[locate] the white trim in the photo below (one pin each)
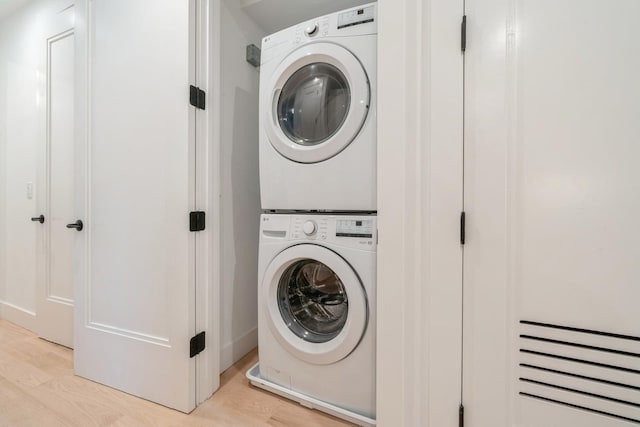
(235, 350)
(207, 299)
(209, 371)
(420, 125)
(18, 315)
(109, 329)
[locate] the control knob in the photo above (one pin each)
(311, 30)
(309, 228)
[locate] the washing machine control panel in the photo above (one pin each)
(309, 227)
(303, 227)
(362, 228)
(351, 231)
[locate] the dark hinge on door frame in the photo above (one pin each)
(197, 97)
(461, 416)
(197, 221)
(197, 344)
(463, 33)
(462, 227)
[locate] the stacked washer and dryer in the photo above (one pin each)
(318, 235)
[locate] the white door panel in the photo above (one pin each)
(136, 295)
(55, 289)
(552, 326)
(61, 169)
(575, 162)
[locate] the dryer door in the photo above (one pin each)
(318, 102)
(315, 303)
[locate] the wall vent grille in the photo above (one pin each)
(583, 369)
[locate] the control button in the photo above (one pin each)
(311, 30)
(309, 228)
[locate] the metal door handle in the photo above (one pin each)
(77, 225)
(40, 219)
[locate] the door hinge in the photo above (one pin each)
(462, 227)
(196, 344)
(461, 416)
(197, 221)
(197, 97)
(463, 34)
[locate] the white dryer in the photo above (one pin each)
(318, 115)
(317, 288)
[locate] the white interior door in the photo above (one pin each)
(57, 204)
(552, 194)
(135, 310)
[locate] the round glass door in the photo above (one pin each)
(314, 303)
(313, 104)
(316, 102)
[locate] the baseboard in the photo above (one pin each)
(233, 351)
(18, 315)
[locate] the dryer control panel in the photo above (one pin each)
(356, 21)
(356, 17)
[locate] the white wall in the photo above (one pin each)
(275, 15)
(240, 196)
(22, 121)
(8, 7)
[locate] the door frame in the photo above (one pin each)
(420, 167)
(204, 18)
(208, 245)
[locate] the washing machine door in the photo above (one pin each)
(314, 303)
(318, 102)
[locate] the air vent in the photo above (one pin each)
(581, 369)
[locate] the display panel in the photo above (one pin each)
(354, 228)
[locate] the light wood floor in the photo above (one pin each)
(38, 388)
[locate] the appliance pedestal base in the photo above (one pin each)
(254, 377)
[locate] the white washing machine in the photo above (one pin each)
(318, 114)
(317, 288)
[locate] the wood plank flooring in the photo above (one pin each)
(38, 389)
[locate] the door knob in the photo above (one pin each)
(77, 225)
(40, 219)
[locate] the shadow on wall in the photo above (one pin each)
(3, 178)
(246, 213)
(22, 132)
